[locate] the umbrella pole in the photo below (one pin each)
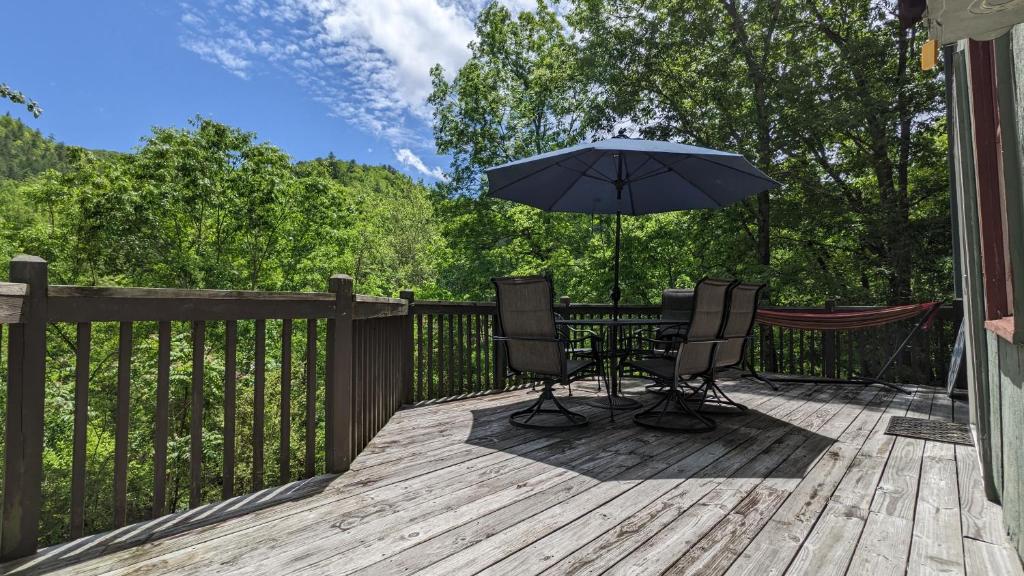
(619, 185)
(616, 291)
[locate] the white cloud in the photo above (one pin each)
(407, 157)
(366, 61)
(395, 42)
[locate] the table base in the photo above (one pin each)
(618, 403)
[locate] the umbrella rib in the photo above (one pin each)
(629, 184)
(520, 179)
(557, 163)
(744, 172)
(680, 174)
(645, 163)
(584, 174)
(573, 183)
(652, 175)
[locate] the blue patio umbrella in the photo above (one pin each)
(628, 176)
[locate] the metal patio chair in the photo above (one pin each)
(694, 359)
(676, 305)
(738, 331)
(734, 336)
(534, 346)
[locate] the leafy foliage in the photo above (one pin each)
(6, 92)
(821, 97)
(25, 152)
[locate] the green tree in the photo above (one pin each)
(18, 98)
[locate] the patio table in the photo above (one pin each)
(610, 328)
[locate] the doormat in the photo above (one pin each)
(938, 431)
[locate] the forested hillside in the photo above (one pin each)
(210, 206)
(25, 152)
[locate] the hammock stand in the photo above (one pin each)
(826, 321)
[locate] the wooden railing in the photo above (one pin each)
(453, 355)
(350, 382)
(224, 379)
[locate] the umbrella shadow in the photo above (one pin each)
(751, 444)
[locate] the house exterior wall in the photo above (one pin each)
(994, 358)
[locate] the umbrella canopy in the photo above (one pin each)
(627, 176)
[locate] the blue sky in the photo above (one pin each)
(311, 76)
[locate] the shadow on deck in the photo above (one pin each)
(805, 481)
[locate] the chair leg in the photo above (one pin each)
(673, 403)
(759, 377)
(711, 394)
(600, 375)
(574, 419)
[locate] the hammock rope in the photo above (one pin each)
(825, 320)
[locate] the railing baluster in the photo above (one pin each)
(163, 396)
(284, 457)
(420, 391)
(461, 356)
(430, 387)
(83, 345)
(359, 385)
(479, 353)
(259, 386)
(849, 354)
(310, 397)
(488, 352)
(408, 357)
(451, 355)
(230, 384)
(124, 372)
(195, 494)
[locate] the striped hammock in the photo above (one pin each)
(848, 319)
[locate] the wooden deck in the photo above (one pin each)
(805, 482)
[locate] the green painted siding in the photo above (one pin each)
(995, 366)
(977, 353)
(1007, 382)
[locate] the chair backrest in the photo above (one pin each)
(677, 304)
(694, 358)
(709, 303)
(525, 310)
(739, 323)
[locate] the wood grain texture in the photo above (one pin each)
(197, 398)
(83, 347)
(259, 404)
(12, 302)
(109, 304)
(285, 414)
(23, 433)
(122, 413)
(453, 489)
(161, 422)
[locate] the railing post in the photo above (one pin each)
(23, 452)
(500, 358)
(338, 395)
(407, 348)
(828, 344)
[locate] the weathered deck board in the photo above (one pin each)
(937, 546)
(806, 482)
